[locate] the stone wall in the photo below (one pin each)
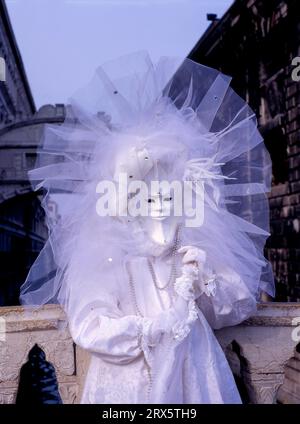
(262, 352)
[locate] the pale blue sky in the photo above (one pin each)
(63, 41)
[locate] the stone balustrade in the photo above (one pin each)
(260, 349)
(263, 352)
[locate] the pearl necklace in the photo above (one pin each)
(132, 290)
(173, 272)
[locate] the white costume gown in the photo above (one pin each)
(174, 121)
(118, 370)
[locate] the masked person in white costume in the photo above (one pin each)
(144, 272)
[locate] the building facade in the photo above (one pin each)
(23, 230)
(22, 226)
(256, 42)
(16, 101)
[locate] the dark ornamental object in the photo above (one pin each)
(38, 383)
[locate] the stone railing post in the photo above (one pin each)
(261, 347)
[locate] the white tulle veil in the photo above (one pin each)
(187, 117)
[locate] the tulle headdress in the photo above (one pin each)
(180, 115)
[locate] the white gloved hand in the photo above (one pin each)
(164, 322)
(194, 265)
(193, 255)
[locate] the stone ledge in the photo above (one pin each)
(275, 314)
(261, 351)
(19, 319)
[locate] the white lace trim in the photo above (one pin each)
(209, 285)
(184, 285)
(144, 337)
(181, 329)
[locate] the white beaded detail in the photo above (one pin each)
(173, 271)
(181, 329)
(146, 322)
(143, 342)
(209, 285)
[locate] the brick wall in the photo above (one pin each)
(255, 42)
(284, 245)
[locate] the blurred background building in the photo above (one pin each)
(255, 42)
(16, 101)
(22, 227)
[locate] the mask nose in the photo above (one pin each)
(159, 205)
(156, 205)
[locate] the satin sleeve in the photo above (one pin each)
(117, 339)
(229, 303)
